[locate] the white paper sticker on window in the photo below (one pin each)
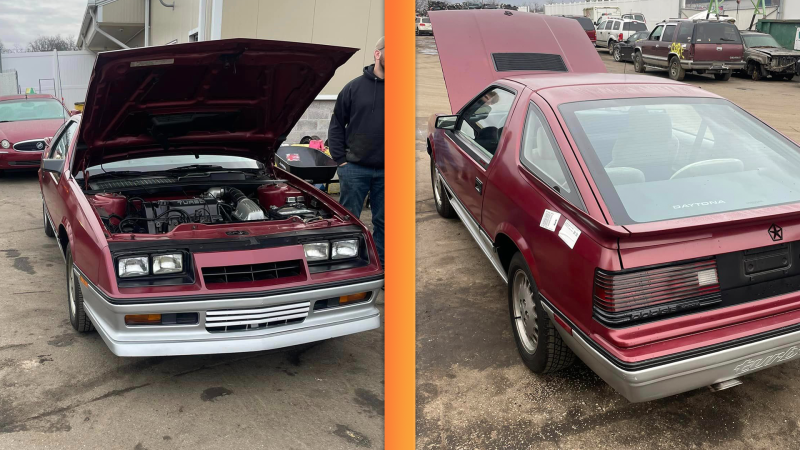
(549, 220)
(569, 233)
(706, 277)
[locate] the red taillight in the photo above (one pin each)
(645, 294)
(620, 37)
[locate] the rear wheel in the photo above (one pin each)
(676, 72)
(538, 342)
(48, 230)
(617, 56)
(443, 206)
(638, 63)
(610, 47)
(77, 314)
(722, 76)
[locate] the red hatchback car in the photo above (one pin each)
(646, 226)
(180, 234)
(26, 123)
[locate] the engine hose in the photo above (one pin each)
(233, 196)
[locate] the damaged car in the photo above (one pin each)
(764, 57)
(666, 264)
(179, 232)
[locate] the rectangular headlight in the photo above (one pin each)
(316, 251)
(169, 263)
(345, 249)
(136, 266)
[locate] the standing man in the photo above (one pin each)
(356, 143)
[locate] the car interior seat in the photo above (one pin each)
(648, 145)
(488, 138)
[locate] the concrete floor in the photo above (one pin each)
(60, 389)
(473, 392)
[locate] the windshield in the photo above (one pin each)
(639, 35)
(19, 110)
(634, 26)
(657, 159)
(586, 23)
(716, 33)
(760, 40)
(160, 163)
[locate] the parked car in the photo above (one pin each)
(634, 16)
(26, 122)
(666, 264)
(587, 25)
(764, 56)
(179, 233)
(623, 51)
(423, 26)
(614, 30)
(699, 46)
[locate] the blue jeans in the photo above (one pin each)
(355, 183)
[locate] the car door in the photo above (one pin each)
(471, 145)
(649, 46)
(599, 30)
(50, 181)
(665, 45)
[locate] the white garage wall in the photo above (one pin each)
(62, 74)
(654, 10)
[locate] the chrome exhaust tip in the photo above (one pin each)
(727, 384)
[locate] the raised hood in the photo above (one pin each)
(235, 96)
(477, 47)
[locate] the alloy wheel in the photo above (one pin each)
(616, 54)
(437, 187)
(525, 317)
(71, 287)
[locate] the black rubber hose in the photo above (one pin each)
(233, 196)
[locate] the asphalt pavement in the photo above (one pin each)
(473, 392)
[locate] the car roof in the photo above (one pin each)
(23, 97)
(751, 32)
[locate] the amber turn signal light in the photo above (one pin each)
(143, 319)
(353, 297)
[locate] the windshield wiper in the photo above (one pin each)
(115, 173)
(195, 167)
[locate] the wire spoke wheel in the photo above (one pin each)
(525, 317)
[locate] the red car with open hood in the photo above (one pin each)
(27, 122)
(180, 234)
(647, 226)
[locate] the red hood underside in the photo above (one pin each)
(236, 96)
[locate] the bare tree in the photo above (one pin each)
(421, 5)
(50, 43)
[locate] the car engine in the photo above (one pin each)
(217, 205)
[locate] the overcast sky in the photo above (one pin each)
(21, 21)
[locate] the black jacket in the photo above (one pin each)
(356, 131)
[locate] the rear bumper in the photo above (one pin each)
(168, 340)
(713, 66)
(682, 375)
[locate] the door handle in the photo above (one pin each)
(479, 185)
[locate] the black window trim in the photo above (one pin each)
(573, 197)
(650, 37)
(61, 133)
(477, 153)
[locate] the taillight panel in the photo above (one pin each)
(630, 296)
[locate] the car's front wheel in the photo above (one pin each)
(754, 69)
(77, 313)
(722, 76)
(443, 206)
(48, 230)
(788, 77)
(538, 342)
(638, 63)
(617, 56)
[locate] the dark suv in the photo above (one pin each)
(700, 46)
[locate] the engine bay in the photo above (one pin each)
(161, 213)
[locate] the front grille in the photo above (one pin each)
(29, 146)
(251, 273)
(132, 182)
(227, 320)
(507, 62)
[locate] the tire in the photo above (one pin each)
(788, 77)
(617, 56)
(443, 206)
(722, 76)
(638, 63)
(417, 31)
(610, 47)
(538, 342)
(755, 72)
(48, 230)
(75, 310)
(676, 72)
(778, 77)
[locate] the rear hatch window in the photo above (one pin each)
(586, 23)
(658, 159)
(634, 26)
(716, 33)
(426, 20)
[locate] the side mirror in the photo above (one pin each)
(73, 112)
(446, 122)
(53, 165)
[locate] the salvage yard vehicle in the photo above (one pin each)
(179, 233)
(423, 26)
(623, 51)
(617, 30)
(27, 122)
(587, 25)
(764, 56)
(666, 264)
(699, 46)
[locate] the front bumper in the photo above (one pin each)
(12, 159)
(670, 378)
(713, 66)
(170, 340)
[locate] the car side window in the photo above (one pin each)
(685, 32)
(541, 155)
(601, 25)
(483, 120)
(59, 147)
(617, 25)
(669, 32)
(656, 34)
